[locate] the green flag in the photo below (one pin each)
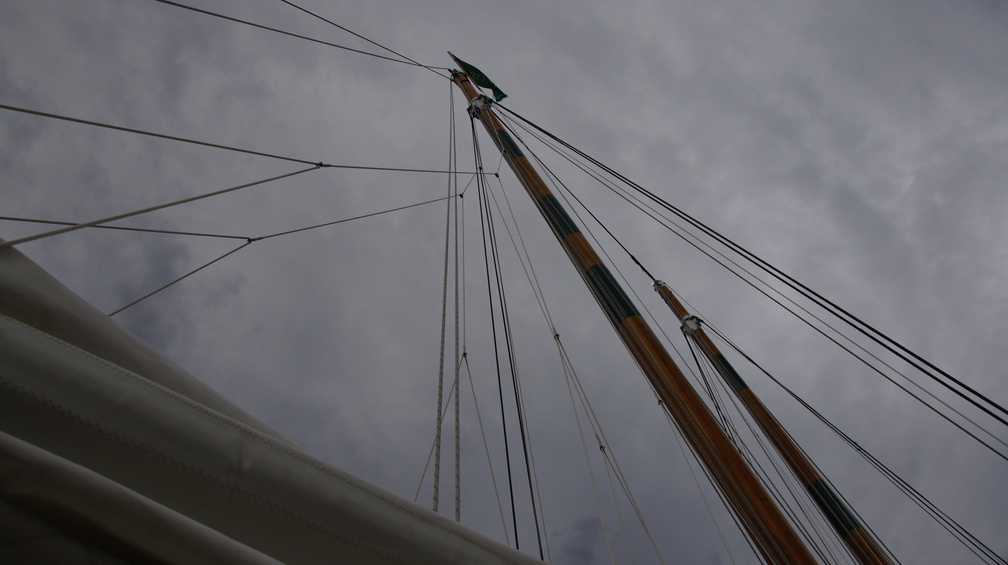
(480, 78)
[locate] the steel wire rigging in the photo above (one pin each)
(402, 59)
(495, 280)
(317, 163)
(961, 389)
(940, 376)
(972, 543)
(249, 241)
(733, 266)
(609, 461)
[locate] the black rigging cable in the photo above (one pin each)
(512, 363)
(508, 341)
(226, 236)
(861, 326)
(152, 134)
(326, 224)
(289, 34)
(372, 42)
(248, 241)
(124, 228)
(412, 62)
(948, 523)
(682, 234)
(722, 417)
(60, 231)
(185, 276)
(549, 171)
(493, 327)
(317, 163)
(971, 542)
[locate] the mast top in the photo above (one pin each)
(478, 77)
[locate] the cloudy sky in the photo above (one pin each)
(861, 147)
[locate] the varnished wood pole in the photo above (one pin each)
(771, 533)
(847, 526)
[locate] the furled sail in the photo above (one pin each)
(111, 453)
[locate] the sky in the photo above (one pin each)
(861, 147)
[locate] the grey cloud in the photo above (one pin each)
(859, 147)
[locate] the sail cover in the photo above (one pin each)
(111, 453)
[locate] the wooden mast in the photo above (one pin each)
(860, 542)
(771, 533)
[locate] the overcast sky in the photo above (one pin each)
(861, 147)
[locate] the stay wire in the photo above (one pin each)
(67, 229)
(697, 245)
(517, 380)
(185, 276)
(523, 255)
(853, 321)
(525, 432)
(519, 405)
(710, 394)
(708, 449)
(124, 228)
(508, 340)
(486, 447)
(319, 164)
(948, 523)
(868, 363)
(619, 513)
(602, 440)
(813, 525)
(375, 43)
(493, 327)
(334, 222)
(248, 240)
(289, 34)
(508, 122)
(152, 134)
(537, 290)
(584, 449)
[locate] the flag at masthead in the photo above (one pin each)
(479, 78)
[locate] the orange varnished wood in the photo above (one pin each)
(863, 546)
(772, 535)
(759, 515)
(581, 252)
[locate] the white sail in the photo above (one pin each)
(107, 448)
